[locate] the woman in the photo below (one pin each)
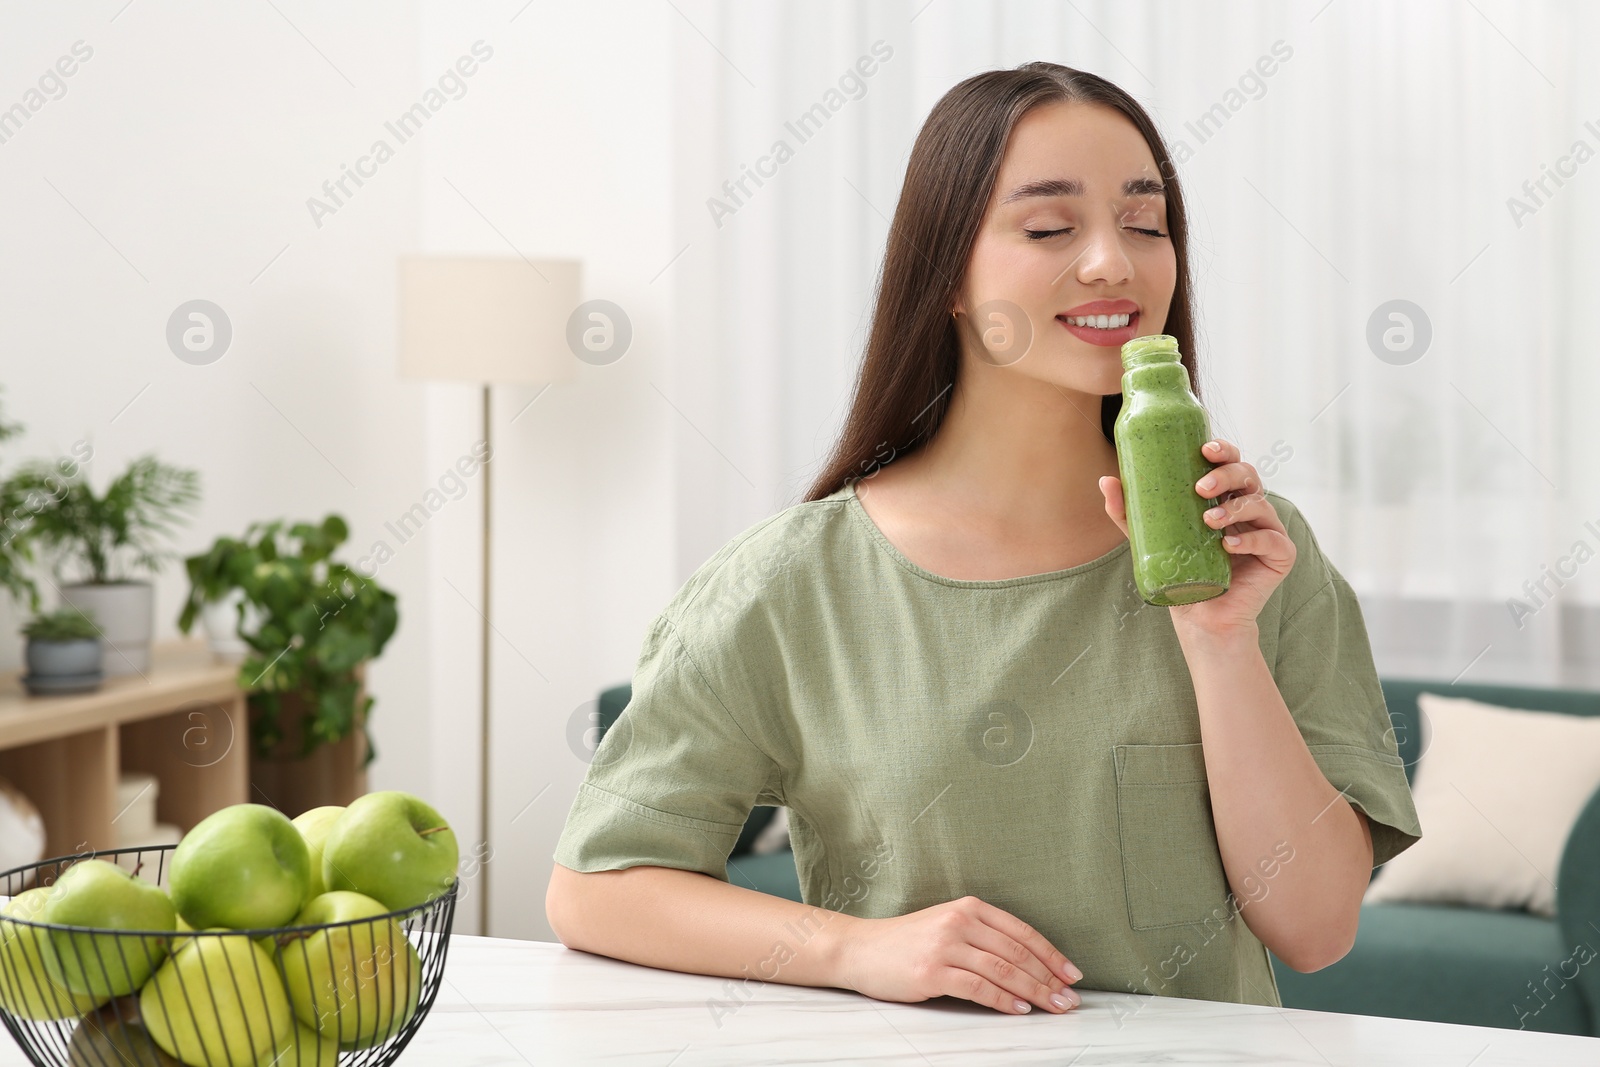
(1004, 773)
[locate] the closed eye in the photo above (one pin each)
(1040, 235)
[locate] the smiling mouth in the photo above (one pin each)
(1101, 322)
(1103, 331)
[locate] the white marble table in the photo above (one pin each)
(535, 1002)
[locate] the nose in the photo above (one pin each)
(1102, 256)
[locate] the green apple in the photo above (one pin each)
(99, 894)
(314, 826)
(243, 867)
(181, 926)
(304, 1048)
(357, 983)
(267, 942)
(392, 847)
(107, 1037)
(26, 988)
(218, 1000)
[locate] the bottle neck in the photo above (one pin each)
(1151, 349)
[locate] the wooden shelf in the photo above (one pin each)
(183, 720)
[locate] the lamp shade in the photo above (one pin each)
(488, 319)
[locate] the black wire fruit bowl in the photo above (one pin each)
(342, 993)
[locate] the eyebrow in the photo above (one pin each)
(1074, 187)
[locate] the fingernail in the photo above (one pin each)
(1207, 483)
(1024, 1006)
(1072, 972)
(1060, 1001)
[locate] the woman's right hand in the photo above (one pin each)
(963, 948)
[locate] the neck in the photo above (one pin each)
(1025, 452)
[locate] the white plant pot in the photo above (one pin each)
(220, 619)
(125, 613)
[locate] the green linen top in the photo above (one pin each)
(1032, 741)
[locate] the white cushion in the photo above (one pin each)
(774, 837)
(1497, 791)
(22, 837)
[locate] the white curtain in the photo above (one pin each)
(1384, 159)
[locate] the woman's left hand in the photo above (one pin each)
(1262, 552)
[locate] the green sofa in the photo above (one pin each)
(1452, 964)
(773, 872)
(1439, 963)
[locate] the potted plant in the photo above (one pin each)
(217, 580)
(108, 536)
(63, 652)
(314, 624)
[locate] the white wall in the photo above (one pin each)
(187, 145)
(177, 166)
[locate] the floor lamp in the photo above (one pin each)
(495, 321)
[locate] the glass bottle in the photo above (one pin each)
(1177, 557)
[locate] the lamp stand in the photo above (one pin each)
(483, 707)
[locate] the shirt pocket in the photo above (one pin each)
(1172, 871)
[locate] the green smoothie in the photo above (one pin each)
(1177, 557)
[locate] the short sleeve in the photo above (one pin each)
(675, 777)
(1325, 672)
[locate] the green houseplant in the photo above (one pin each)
(14, 552)
(109, 536)
(316, 623)
(63, 624)
(63, 652)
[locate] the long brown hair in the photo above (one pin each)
(913, 353)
